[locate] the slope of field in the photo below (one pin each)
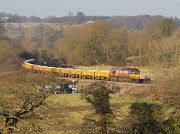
(69, 111)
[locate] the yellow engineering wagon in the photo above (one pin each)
(38, 68)
(58, 70)
(102, 75)
(41, 68)
(65, 71)
(48, 69)
(88, 74)
(27, 66)
(75, 73)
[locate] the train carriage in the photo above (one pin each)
(65, 72)
(76, 73)
(88, 74)
(58, 70)
(49, 69)
(102, 75)
(38, 68)
(28, 66)
(41, 68)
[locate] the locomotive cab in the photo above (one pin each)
(125, 74)
(134, 74)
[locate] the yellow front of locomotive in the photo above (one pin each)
(135, 74)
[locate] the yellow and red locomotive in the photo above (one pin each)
(125, 74)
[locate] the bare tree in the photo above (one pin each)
(2, 28)
(17, 104)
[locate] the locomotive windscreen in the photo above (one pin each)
(135, 71)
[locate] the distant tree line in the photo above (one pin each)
(132, 22)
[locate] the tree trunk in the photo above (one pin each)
(104, 125)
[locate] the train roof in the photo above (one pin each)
(127, 68)
(28, 61)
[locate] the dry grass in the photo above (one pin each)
(70, 110)
(65, 112)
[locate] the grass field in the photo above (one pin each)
(70, 111)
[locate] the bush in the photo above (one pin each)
(151, 119)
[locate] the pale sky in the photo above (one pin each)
(44, 8)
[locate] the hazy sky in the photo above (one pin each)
(44, 8)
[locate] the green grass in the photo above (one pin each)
(68, 100)
(121, 100)
(71, 109)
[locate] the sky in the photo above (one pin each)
(45, 8)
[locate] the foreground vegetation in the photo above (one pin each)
(81, 113)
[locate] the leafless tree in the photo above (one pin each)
(17, 104)
(2, 28)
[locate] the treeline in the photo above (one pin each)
(105, 43)
(131, 22)
(98, 43)
(79, 18)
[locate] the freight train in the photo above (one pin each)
(116, 74)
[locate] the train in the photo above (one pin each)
(115, 74)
